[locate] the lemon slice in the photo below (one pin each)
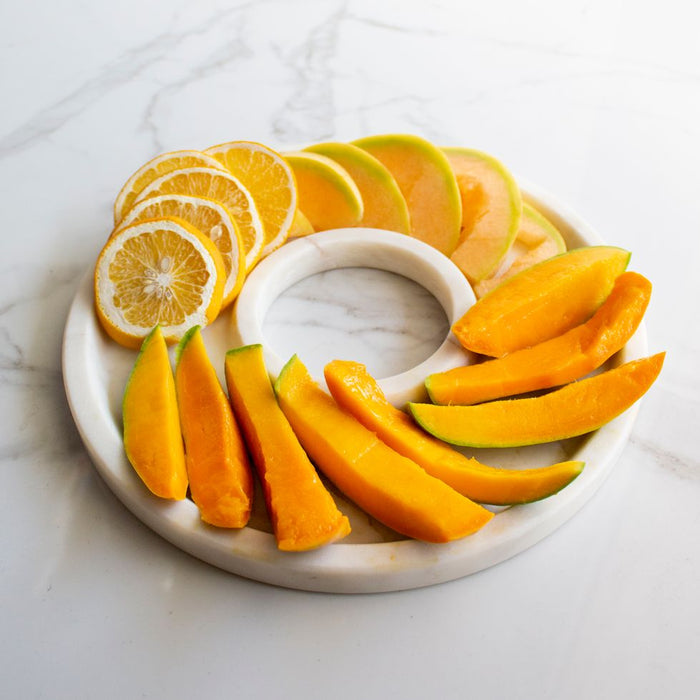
(153, 169)
(270, 181)
(157, 272)
(224, 188)
(208, 217)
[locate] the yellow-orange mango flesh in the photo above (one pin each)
(491, 207)
(541, 302)
(221, 480)
(537, 239)
(152, 437)
(301, 226)
(575, 409)
(302, 511)
(328, 196)
(390, 487)
(384, 205)
(427, 183)
(554, 362)
(358, 393)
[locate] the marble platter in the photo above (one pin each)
(372, 558)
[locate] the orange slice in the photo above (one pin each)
(157, 272)
(270, 181)
(222, 187)
(208, 217)
(154, 168)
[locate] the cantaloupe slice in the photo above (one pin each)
(328, 196)
(358, 393)
(576, 409)
(302, 511)
(554, 362)
(384, 205)
(152, 436)
(538, 239)
(427, 183)
(387, 485)
(221, 480)
(541, 302)
(491, 206)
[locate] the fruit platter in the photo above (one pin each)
(349, 482)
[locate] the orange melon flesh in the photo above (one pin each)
(541, 302)
(359, 394)
(388, 486)
(152, 437)
(384, 205)
(328, 196)
(302, 511)
(537, 240)
(554, 362)
(427, 183)
(221, 481)
(491, 207)
(573, 410)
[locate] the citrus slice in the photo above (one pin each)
(157, 272)
(222, 187)
(154, 168)
(270, 181)
(208, 217)
(301, 226)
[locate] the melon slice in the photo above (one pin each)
(385, 206)
(427, 183)
(491, 207)
(538, 239)
(328, 196)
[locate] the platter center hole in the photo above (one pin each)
(381, 319)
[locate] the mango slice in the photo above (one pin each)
(152, 437)
(573, 410)
(388, 486)
(541, 302)
(554, 362)
(358, 393)
(301, 226)
(384, 205)
(302, 511)
(427, 183)
(221, 480)
(491, 206)
(328, 196)
(537, 239)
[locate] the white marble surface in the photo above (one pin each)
(598, 102)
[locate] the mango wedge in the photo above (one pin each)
(302, 511)
(152, 437)
(388, 486)
(573, 410)
(359, 394)
(554, 362)
(541, 302)
(221, 480)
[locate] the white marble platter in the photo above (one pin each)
(372, 558)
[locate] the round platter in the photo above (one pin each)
(371, 559)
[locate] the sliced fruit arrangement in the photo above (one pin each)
(358, 393)
(302, 511)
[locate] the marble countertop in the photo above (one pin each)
(597, 102)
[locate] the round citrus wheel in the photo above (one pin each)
(270, 181)
(208, 217)
(157, 272)
(222, 187)
(153, 169)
